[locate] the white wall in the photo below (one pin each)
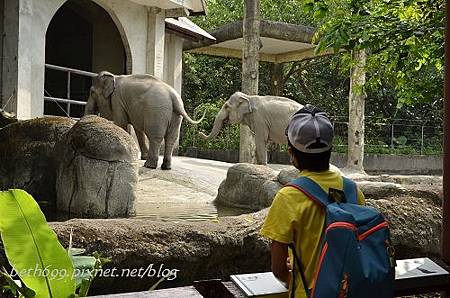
(24, 76)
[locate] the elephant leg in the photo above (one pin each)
(170, 140)
(143, 143)
(153, 152)
(121, 119)
(261, 148)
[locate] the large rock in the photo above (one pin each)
(206, 250)
(248, 186)
(27, 159)
(97, 172)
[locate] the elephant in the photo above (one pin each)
(154, 108)
(266, 116)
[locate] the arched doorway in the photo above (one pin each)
(81, 36)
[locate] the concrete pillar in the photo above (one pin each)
(2, 19)
(9, 55)
(155, 42)
(173, 66)
(24, 53)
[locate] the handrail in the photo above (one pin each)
(67, 100)
(72, 70)
(64, 100)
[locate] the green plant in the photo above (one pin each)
(43, 266)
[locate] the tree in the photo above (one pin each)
(403, 36)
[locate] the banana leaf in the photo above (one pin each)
(32, 248)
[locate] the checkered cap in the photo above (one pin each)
(310, 131)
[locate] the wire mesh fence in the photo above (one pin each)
(382, 136)
(393, 136)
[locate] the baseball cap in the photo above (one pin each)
(310, 131)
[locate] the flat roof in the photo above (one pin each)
(194, 6)
(187, 29)
(280, 42)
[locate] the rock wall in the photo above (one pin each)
(208, 250)
(27, 159)
(88, 165)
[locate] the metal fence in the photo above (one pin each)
(403, 136)
(384, 136)
(65, 104)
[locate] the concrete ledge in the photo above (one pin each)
(373, 163)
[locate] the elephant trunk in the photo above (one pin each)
(218, 123)
(91, 107)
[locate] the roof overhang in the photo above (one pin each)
(195, 7)
(280, 42)
(187, 29)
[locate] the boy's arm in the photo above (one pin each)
(279, 254)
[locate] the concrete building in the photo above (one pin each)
(43, 40)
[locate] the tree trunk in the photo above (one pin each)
(356, 103)
(250, 72)
(277, 79)
(445, 246)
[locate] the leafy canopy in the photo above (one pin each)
(404, 39)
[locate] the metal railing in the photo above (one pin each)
(410, 136)
(68, 101)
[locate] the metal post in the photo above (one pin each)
(68, 93)
(445, 243)
(421, 142)
(392, 136)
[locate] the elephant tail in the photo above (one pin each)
(179, 108)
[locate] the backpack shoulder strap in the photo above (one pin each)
(350, 190)
(311, 189)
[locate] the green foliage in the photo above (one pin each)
(404, 39)
(228, 137)
(43, 266)
(32, 247)
(222, 12)
(396, 86)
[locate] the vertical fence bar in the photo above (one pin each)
(392, 136)
(421, 142)
(68, 93)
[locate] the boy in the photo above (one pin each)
(293, 217)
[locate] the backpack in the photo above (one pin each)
(356, 258)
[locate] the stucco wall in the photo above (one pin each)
(28, 70)
(23, 75)
(131, 21)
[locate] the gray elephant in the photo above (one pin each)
(153, 107)
(267, 117)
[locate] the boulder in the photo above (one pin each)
(248, 186)
(27, 159)
(97, 173)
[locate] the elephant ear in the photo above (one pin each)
(109, 84)
(248, 106)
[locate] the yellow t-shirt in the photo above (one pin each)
(292, 213)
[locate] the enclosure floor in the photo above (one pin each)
(184, 193)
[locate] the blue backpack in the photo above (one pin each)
(357, 258)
